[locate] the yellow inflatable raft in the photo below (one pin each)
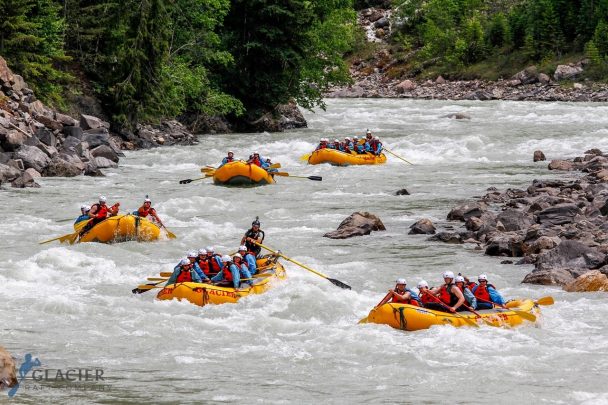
(337, 158)
(240, 173)
(410, 318)
(120, 228)
(269, 271)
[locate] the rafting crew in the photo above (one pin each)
(254, 234)
(98, 213)
(184, 273)
(248, 258)
(214, 261)
(322, 144)
(229, 276)
(146, 211)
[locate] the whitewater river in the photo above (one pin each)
(72, 307)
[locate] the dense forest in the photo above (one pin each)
(147, 60)
(456, 35)
(153, 59)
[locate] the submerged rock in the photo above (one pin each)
(422, 227)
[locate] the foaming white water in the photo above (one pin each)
(72, 306)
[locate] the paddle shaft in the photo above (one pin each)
(397, 156)
(285, 174)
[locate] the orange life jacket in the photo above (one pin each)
(142, 212)
(184, 277)
(447, 296)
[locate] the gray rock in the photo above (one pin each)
(49, 122)
(539, 156)
(465, 211)
(571, 254)
(97, 137)
(382, 23)
(357, 224)
(505, 244)
(549, 277)
(422, 227)
(17, 164)
(48, 150)
(106, 152)
(12, 140)
(559, 214)
(514, 220)
(92, 170)
(27, 179)
(565, 72)
(32, 157)
(402, 192)
(544, 79)
(46, 137)
(447, 237)
(103, 163)
(458, 116)
(527, 76)
(8, 173)
(75, 132)
(561, 165)
(91, 122)
(70, 142)
(66, 120)
(63, 168)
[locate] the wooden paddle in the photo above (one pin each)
(332, 280)
(285, 174)
(382, 302)
(397, 156)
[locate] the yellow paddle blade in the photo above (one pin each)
(170, 234)
(305, 157)
(148, 287)
(526, 315)
(545, 301)
(157, 279)
(363, 320)
(166, 273)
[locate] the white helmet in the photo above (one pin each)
(448, 274)
(347, 138)
(237, 255)
(192, 253)
(376, 138)
(459, 279)
(242, 247)
(184, 262)
(83, 206)
(210, 249)
(256, 153)
(401, 281)
(226, 259)
(423, 284)
(102, 199)
(368, 131)
(147, 200)
(229, 152)
(354, 137)
(336, 140)
(482, 277)
(202, 252)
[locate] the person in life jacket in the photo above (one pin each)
(229, 158)
(486, 294)
(266, 166)
(193, 257)
(449, 294)
(468, 295)
(376, 146)
(425, 294)
(249, 258)
(255, 159)
(470, 284)
(230, 276)
(254, 234)
(403, 295)
(84, 214)
(99, 212)
(237, 259)
(203, 264)
(214, 261)
(348, 144)
(146, 211)
(358, 146)
(322, 144)
(183, 273)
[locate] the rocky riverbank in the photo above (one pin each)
(559, 225)
(36, 141)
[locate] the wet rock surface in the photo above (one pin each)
(559, 226)
(357, 224)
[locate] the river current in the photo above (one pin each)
(72, 307)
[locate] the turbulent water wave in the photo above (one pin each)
(300, 342)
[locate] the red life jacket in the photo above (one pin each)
(482, 292)
(471, 285)
(184, 277)
(204, 265)
(256, 162)
(399, 300)
(229, 159)
(214, 266)
(447, 296)
(142, 212)
(227, 273)
(102, 211)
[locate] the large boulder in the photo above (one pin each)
(593, 280)
(514, 220)
(27, 179)
(32, 157)
(404, 86)
(357, 224)
(75, 132)
(422, 227)
(571, 254)
(8, 173)
(8, 370)
(91, 122)
(6, 76)
(565, 165)
(447, 237)
(60, 167)
(96, 137)
(559, 214)
(504, 244)
(539, 156)
(465, 211)
(527, 76)
(549, 277)
(12, 140)
(106, 152)
(104, 163)
(565, 72)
